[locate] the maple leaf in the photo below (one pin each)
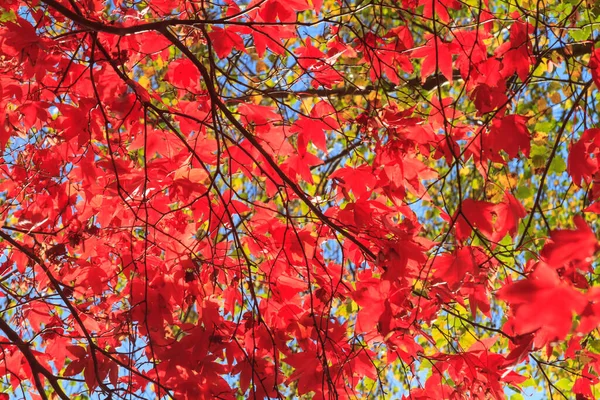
(582, 162)
(517, 61)
(33, 114)
(437, 56)
(312, 128)
(590, 315)
(360, 180)
(20, 36)
(583, 386)
(258, 115)
(475, 214)
(542, 303)
(508, 213)
(306, 373)
(457, 268)
(370, 296)
(224, 40)
(494, 221)
(300, 165)
(183, 73)
(439, 8)
(594, 66)
(284, 10)
(472, 55)
(270, 36)
(516, 53)
(509, 134)
(595, 208)
(309, 55)
(490, 91)
(442, 111)
(568, 245)
(6, 131)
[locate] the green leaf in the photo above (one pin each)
(558, 165)
(564, 384)
(8, 16)
(581, 34)
(524, 192)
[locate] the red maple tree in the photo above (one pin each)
(301, 198)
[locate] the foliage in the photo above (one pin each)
(299, 199)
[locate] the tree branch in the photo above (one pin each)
(36, 367)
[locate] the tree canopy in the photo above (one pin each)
(340, 199)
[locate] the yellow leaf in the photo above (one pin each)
(144, 82)
(149, 71)
(261, 66)
(542, 104)
(307, 104)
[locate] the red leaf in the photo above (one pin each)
(595, 208)
(437, 56)
(271, 37)
(569, 245)
(581, 165)
(542, 303)
(594, 66)
(475, 214)
(285, 10)
(183, 73)
(508, 213)
(194, 175)
(439, 7)
(258, 115)
(459, 267)
(509, 134)
(517, 57)
(300, 165)
(309, 55)
(18, 36)
(224, 40)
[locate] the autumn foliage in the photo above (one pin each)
(299, 199)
